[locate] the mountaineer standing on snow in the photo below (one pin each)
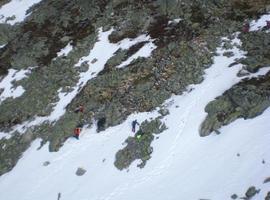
(134, 123)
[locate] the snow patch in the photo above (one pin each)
(16, 9)
(7, 87)
(177, 20)
(65, 51)
(143, 52)
(256, 25)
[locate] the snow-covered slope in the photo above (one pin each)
(183, 164)
(15, 11)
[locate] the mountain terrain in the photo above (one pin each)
(194, 74)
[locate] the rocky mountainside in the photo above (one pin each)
(119, 58)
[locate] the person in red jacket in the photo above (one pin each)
(77, 132)
(80, 108)
(246, 28)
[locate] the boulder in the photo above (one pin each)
(80, 171)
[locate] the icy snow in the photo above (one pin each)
(256, 25)
(7, 84)
(16, 8)
(65, 51)
(183, 165)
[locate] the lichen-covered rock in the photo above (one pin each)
(139, 147)
(246, 99)
(257, 45)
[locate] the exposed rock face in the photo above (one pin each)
(247, 99)
(267, 196)
(257, 45)
(267, 180)
(139, 147)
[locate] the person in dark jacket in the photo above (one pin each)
(134, 123)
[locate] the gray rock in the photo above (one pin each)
(267, 180)
(46, 163)
(228, 54)
(242, 73)
(80, 171)
(164, 112)
(251, 192)
(234, 196)
(246, 99)
(267, 196)
(139, 147)
(93, 61)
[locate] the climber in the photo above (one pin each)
(246, 28)
(134, 123)
(139, 134)
(77, 132)
(268, 24)
(80, 108)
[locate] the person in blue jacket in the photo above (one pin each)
(134, 123)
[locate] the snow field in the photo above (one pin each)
(183, 165)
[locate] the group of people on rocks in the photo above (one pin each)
(78, 128)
